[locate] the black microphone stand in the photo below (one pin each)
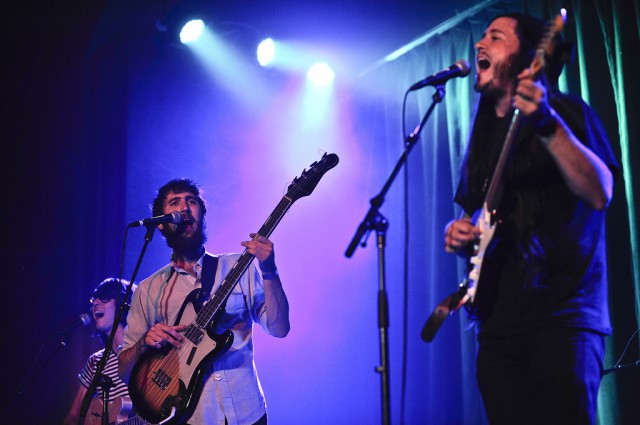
(105, 383)
(99, 378)
(373, 220)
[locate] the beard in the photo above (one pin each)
(181, 243)
(504, 79)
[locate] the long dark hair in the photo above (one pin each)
(530, 31)
(480, 158)
(523, 206)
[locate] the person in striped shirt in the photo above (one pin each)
(105, 299)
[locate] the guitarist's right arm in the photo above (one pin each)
(584, 172)
(155, 338)
(459, 234)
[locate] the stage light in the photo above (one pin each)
(191, 31)
(321, 74)
(266, 53)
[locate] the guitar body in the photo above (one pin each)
(173, 378)
(118, 412)
(486, 221)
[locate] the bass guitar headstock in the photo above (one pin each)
(308, 180)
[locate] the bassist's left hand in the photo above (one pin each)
(262, 249)
(276, 303)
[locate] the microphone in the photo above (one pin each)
(83, 320)
(459, 69)
(173, 217)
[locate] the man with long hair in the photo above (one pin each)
(541, 303)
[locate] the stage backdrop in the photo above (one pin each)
(182, 121)
(126, 113)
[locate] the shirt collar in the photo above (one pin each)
(197, 267)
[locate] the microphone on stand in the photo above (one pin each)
(173, 217)
(83, 320)
(459, 69)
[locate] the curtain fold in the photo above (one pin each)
(610, 14)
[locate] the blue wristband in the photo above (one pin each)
(270, 276)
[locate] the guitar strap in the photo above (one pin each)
(209, 269)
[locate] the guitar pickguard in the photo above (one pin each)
(173, 378)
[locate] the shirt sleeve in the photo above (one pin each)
(587, 127)
(137, 319)
(86, 374)
(257, 307)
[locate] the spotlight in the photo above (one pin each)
(191, 31)
(266, 52)
(321, 74)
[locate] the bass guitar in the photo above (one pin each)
(166, 384)
(487, 218)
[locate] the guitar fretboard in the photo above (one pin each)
(218, 299)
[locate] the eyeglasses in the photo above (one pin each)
(102, 300)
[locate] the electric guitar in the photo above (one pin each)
(166, 384)
(487, 218)
(118, 411)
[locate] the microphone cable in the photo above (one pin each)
(617, 365)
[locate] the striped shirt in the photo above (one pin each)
(119, 388)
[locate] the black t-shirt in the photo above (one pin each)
(546, 264)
